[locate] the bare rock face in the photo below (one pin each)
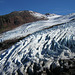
(17, 18)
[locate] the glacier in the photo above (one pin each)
(49, 41)
(30, 28)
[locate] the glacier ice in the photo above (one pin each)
(39, 50)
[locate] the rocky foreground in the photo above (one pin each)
(66, 67)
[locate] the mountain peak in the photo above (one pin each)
(17, 18)
(48, 14)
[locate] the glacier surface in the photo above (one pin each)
(45, 45)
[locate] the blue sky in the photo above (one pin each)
(61, 7)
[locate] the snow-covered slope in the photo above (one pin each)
(54, 40)
(38, 15)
